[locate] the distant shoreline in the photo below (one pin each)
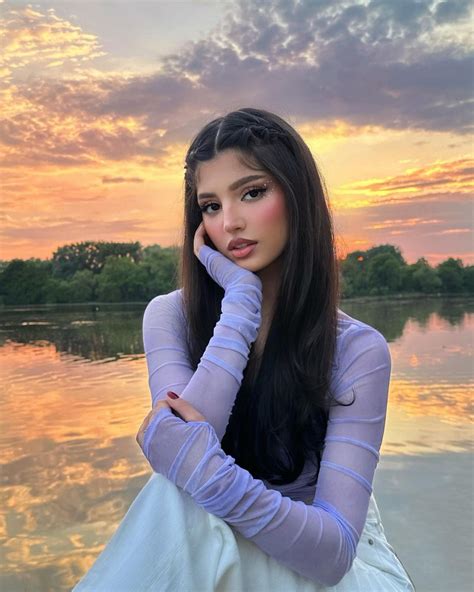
(410, 296)
(397, 297)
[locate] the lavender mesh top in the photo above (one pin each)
(313, 530)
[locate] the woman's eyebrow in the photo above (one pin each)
(235, 185)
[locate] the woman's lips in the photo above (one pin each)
(239, 253)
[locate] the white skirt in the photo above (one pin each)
(167, 543)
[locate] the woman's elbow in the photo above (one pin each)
(338, 574)
(334, 571)
(333, 576)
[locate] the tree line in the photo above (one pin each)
(127, 272)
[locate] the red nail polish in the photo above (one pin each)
(172, 395)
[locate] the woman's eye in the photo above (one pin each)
(257, 190)
(254, 192)
(204, 209)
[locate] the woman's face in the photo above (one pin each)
(252, 209)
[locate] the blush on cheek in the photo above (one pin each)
(273, 212)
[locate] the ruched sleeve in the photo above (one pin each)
(318, 541)
(212, 388)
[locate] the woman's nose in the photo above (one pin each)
(233, 220)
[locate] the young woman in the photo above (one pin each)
(269, 402)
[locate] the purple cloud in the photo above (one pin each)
(382, 63)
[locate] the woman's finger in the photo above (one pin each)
(141, 431)
(199, 238)
(185, 409)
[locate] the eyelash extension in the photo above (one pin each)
(261, 191)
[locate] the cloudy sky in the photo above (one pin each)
(100, 99)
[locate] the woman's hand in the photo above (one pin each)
(180, 407)
(199, 238)
(222, 269)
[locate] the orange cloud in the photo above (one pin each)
(108, 179)
(402, 222)
(31, 38)
(54, 122)
(321, 135)
(456, 231)
(69, 123)
(78, 144)
(446, 177)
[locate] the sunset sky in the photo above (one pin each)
(100, 100)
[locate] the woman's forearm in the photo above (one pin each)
(213, 386)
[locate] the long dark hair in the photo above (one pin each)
(279, 417)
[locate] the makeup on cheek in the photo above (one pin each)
(273, 211)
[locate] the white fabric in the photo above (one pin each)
(167, 543)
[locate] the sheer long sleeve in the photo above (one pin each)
(212, 388)
(317, 541)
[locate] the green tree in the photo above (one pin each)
(57, 291)
(83, 286)
(354, 274)
(24, 282)
(386, 250)
(384, 273)
(121, 280)
(361, 276)
(420, 277)
(69, 259)
(468, 279)
(450, 272)
(160, 266)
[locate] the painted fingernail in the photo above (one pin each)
(172, 395)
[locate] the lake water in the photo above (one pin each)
(75, 392)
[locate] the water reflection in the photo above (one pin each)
(94, 332)
(98, 332)
(76, 392)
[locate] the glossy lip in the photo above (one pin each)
(244, 252)
(237, 241)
